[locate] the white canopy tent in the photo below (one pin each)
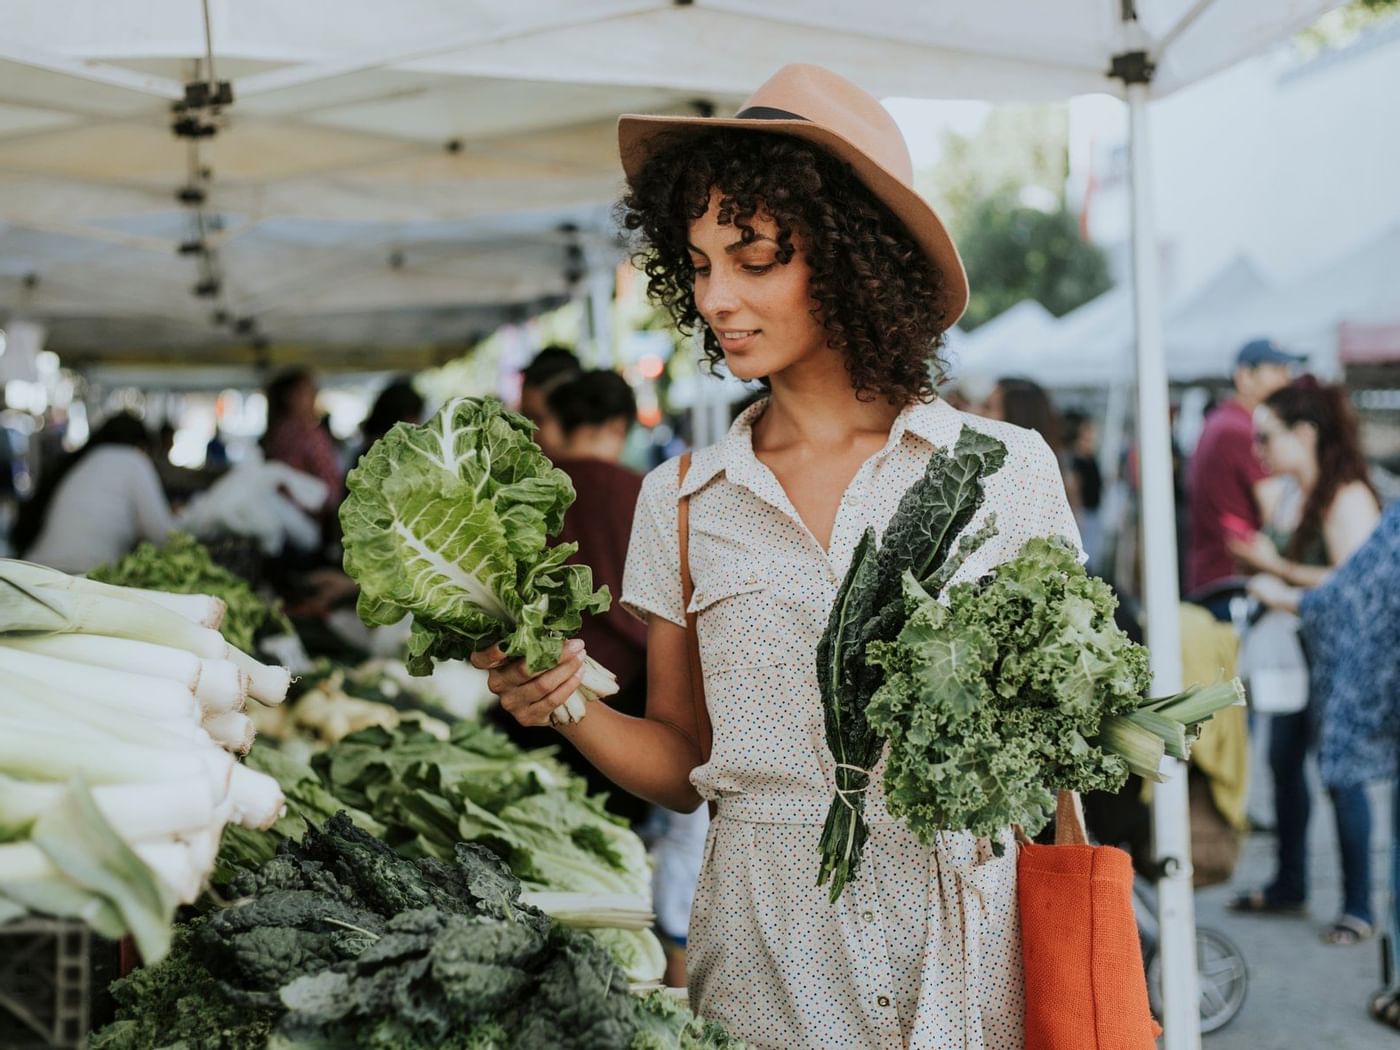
(1092, 345)
(454, 110)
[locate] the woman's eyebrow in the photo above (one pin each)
(740, 245)
(737, 246)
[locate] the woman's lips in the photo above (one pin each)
(734, 339)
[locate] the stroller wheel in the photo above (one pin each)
(1220, 972)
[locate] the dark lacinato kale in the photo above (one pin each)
(337, 942)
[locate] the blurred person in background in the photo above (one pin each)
(1086, 494)
(94, 505)
(1351, 622)
(1228, 490)
(1309, 433)
(398, 402)
(295, 436)
(550, 367)
(593, 412)
(1024, 403)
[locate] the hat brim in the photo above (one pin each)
(638, 137)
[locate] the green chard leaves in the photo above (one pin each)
(449, 522)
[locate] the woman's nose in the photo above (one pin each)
(715, 296)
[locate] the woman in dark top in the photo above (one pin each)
(593, 413)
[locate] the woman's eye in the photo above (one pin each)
(700, 271)
(758, 267)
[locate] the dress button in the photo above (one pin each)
(884, 1000)
(868, 916)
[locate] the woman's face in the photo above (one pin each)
(302, 402)
(758, 307)
(1284, 449)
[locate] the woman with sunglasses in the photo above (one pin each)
(1309, 433)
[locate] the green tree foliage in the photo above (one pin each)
(1014, 252)
(1001, 189)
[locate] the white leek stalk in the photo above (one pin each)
(232, 730)
(44, 751)
(155, 707)
(202, 609)
(174, 864)
(135, 811)
(265, 682)
(222, 686)
(83, 679)
(117, 654)
(257, 798)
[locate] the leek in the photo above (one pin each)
(116, 654)
(202, 609)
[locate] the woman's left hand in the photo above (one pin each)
(1259, 553)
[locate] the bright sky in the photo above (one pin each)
(923, 123)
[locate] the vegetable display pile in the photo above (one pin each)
(120, 721)
(992, 694)
(426, 795)
(182, 565)
(450, 522)
(340, 942)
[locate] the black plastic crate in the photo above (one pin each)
(45, 984)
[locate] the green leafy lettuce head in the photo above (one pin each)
(450, 522)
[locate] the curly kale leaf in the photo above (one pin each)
(990, 702)
(178, 1003)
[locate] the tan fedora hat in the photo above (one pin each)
(815, 104)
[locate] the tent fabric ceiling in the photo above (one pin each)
(361, 129)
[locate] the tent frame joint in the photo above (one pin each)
(1133, 67)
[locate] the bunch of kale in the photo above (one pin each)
(870, 607)
(340, 942)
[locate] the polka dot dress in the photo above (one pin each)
(921, 951)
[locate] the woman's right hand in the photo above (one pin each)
(531, 699)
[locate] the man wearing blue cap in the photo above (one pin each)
(1226, 484)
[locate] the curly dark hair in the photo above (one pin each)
(877, 295)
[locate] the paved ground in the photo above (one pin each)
(1303, 994)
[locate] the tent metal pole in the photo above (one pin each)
(1170, 811)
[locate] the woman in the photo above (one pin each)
(1308, 433)
(792, 239)
(97, 503)
(294, 434)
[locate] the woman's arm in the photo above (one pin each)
(1350, 520)
(649, 757)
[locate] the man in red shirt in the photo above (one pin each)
(1226, 484)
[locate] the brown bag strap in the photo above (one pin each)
(704, 733)
(1069, 822)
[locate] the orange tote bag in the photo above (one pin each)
(1085, 985)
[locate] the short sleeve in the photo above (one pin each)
(651, 580)
(1048, 485)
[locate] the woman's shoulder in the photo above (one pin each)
(116, 457)
(1354, 496)
(664, 482)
